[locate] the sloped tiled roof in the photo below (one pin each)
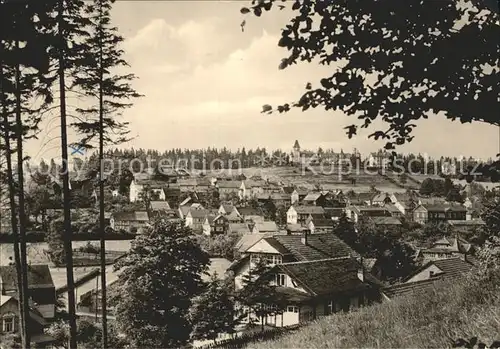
(312, 196)
(319, 246)
(309, 209)
(295, 227)
(266, 227)
(239, 228)
(153, 184)
(453, 266)
(228, 208)
(200, 213)
(391, 208)
(249, 211)
(280, 196)
(334, 211)
(323, 277)
(159, 205)
(320, 222)
(302, 191)
(38, 276)
(365, 196)
(402, 197)
(417, 287)
(254, 183)
(472, 222)
(248, 240)
(450, 245)
(131, 216)
(385, 221)
(276, 245)
(229, 184)
(380, 197)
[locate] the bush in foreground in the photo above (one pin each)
(436, 319)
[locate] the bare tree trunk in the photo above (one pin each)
(13, 209)
(21, 208)
(68, 248)
(102, 224)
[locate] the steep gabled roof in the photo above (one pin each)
(327, 276)
(248, 240)
(319, 246)
(296, 145)
(309, 209)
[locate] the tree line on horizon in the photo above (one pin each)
(242, 158)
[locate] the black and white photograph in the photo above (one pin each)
(209, 174)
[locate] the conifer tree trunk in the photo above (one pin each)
(21, 208)
(13, 210)
(102, 223)
(68, 248)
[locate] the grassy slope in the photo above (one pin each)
(432, 320)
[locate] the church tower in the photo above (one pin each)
(296, 152)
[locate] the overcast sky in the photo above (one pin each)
(205, 82)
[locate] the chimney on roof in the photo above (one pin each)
(304, 237)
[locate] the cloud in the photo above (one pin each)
(202, 101)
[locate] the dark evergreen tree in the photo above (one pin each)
(213, 311)
(112, 93)
(159, 278)
(259, 297)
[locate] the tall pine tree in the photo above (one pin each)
(111, 93)
(70, 28)
(23, 65)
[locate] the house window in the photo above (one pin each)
(280, 280)
(8, 324)
(292, 309)
(267, 258)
